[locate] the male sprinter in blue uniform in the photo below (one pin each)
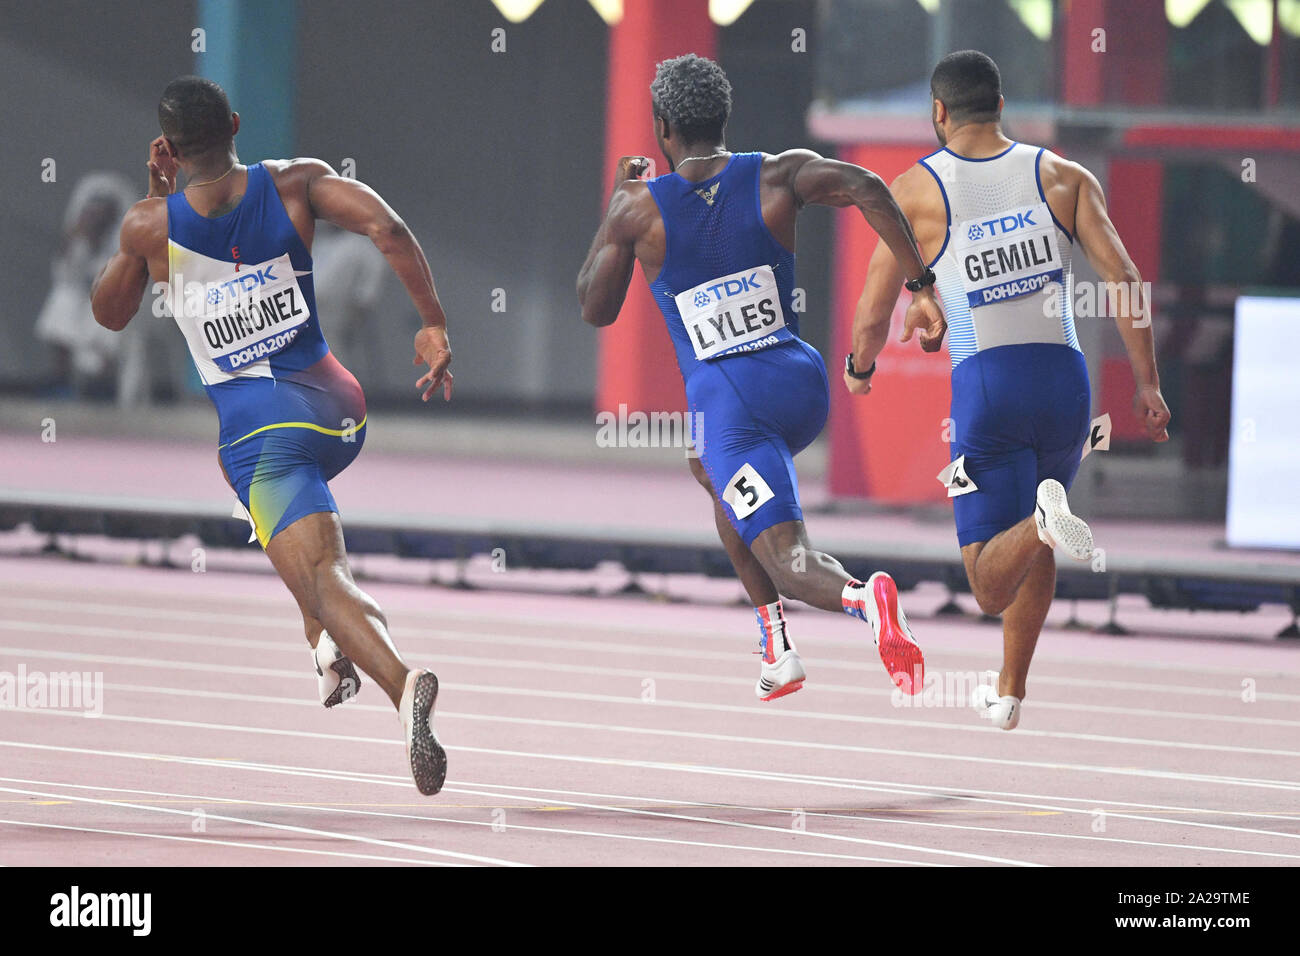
(998, 220)
(715, 239)
(234, 248)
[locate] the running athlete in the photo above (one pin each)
(715, 238)
(234, 249)
(998, 221)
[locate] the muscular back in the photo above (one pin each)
(145, 225)
(786, 185)
(1063, 181)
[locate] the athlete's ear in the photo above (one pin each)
(661, 128)
(234, 123)
(940, 112)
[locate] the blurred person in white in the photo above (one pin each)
(350, 275)
(85, 353)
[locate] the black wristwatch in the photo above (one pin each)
(851, 373)
(919, 283)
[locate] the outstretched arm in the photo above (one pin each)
(356, 207)
(1101, 244)
(604, 276)
(116, 292)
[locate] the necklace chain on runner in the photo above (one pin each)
(211, 181)
(691, 159)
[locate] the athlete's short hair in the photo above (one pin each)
(194, 114)
(693, 95)
(969, 85)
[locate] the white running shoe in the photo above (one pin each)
(336, 678)
(781, 676)
(1004, 712)
(427, 758)
(1057, 527)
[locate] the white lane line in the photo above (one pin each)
(811, 779)
(635, 701)
(897, 789)
(859, 817)
(926, 789)
(265, 824)
(529, 625)
(47, 858)
(380, 708)
(815, 780)
(423, 818)
(783, 831)
(699, 735)
(638, 674)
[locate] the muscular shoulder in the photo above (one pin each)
(781, 168)
(914, 189)
(295, 176)
(144, 227)
(632, 210)
(1057, 172)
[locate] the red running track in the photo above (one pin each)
(620, 731)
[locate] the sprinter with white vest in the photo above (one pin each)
(998, 222)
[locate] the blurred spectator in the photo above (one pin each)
(348, 272)
(85, 352)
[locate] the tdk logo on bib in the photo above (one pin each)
(244, 283)
(739, 312)
(1000, 226)
(1007, 255)
(729, 287)
(240, 317)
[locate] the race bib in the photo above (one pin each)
(735, 313)
(251, 313)
(955, 479)
(746, 491)
(1007, 255)
(1098, 436)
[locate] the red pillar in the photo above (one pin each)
(1131, 72)
(636, 365)
(1129, 68)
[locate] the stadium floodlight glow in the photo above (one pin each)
(1255, 17)
(611, 11)
(726, 12)
(1288, 14)
(1036, 15)
(517, 11)
(1182, 12)
(929, 6)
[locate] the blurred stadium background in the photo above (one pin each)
(492, 128)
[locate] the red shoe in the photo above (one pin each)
(899, 651)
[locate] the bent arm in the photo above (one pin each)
(605, 275)
(356, 207)
(829, 182)
(116, 292)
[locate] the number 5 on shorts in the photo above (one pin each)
(746, 491)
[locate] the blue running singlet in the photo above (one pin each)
(757, 392)
(291, 416)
